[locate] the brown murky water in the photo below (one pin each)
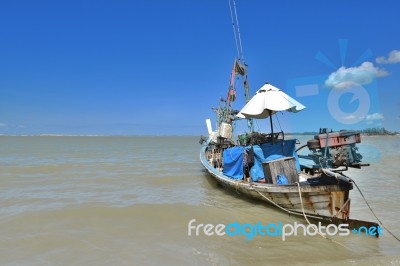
(128, 201)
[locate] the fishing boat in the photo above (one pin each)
(266, 166)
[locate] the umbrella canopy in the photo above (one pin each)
(267, 101)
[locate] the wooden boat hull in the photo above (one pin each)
(317, 201)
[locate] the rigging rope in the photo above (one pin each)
(296, 213)
(240, 56)
(270, 201)
(236, 29)
(279, 123)
(369, 206)
(362, 195)
(305, 217)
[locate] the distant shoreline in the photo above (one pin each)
(91, 135)
(364, 132)
(165, 136)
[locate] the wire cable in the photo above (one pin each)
(370, 208)
(234, 28)
(238, 31)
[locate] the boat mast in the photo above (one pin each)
(240, 67)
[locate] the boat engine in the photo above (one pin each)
(336, 148)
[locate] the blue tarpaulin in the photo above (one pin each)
(285, 148)
(233, 162)
(233, 158)
(257, 171)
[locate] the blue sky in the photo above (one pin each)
(156, 67)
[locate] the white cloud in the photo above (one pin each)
(350, 117)
(393, 58)
(363, 74)
(374, 116)
(3, 124)
(369, 119)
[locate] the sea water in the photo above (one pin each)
(128, 201)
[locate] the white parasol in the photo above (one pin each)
(267, 101)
